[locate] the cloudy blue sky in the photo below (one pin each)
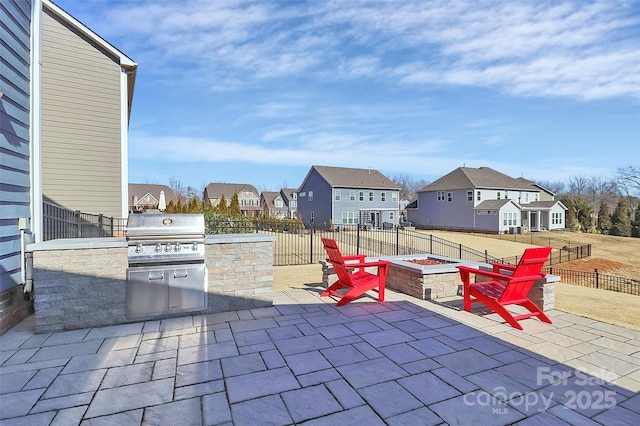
(258, 91)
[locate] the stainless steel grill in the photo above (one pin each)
(167, 272)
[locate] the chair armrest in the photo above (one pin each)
(368, 264)
(489, 274)
(498, 266)
(465, 271)
(359, 257)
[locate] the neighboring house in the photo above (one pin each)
(486, 199)
(273, 205)
(147, 196)
(65, 102)
(348, 197)
(248, 196)
(290, 197)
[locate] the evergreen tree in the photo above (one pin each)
(604, 218)
(635, 225)
(222, 208)
(621, 221)
(578, 213)
(234, 206)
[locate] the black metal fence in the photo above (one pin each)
(297, 245)
(59, 222)
(596, 280)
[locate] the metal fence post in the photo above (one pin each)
(311, 244)
(78, 224)
(358, 239)
(460, 251)
(597, 278)
(397, 240)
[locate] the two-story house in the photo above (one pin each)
(273, 205)
(147, 195)
(248, 196)
(485, 199)
(348, 197)
(65, 102)
(290, 197)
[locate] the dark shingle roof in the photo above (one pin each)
(343, 177)
(483, 177)
(141, 189)
(214, 190)
(493, 204)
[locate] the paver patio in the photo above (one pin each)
(304, 361)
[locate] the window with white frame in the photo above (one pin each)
(498, 195)
(338, 195)
(505, 218)
(478, 196)
(469, 195)
(349, 218)
(293, 204)
(449, 197)
(352, 195)
(361, 196)
(556, 218)
(440, 195)
(371, 196)
(278, 202)
(383, 196)
(310, 197)
(391, 216)
(394, 197)
(311, 217)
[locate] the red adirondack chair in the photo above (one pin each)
(507, 289)
(357, 282)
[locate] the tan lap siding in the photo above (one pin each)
(81, 122)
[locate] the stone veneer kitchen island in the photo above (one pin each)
(80, 283)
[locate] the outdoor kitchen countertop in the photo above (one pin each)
(78, 244)
(107, 242)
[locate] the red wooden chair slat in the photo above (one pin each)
(502, 290)
(357, 282)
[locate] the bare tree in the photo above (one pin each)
(408, 185)
(629, 179)
(178, 188)
(578, 186)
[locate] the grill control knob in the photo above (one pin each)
(139, 249)
(158, 248)
(177, 247)
(194, 247)
(167, 248)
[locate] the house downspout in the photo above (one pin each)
(35, 143)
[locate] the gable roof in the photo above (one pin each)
(532, 183)
(140, 190)
(483, 177)
(287, 193)
(270, 197)
(215, 190)
(344, 177)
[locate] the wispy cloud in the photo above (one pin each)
(584, 50)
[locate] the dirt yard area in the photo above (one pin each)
(610, 255)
